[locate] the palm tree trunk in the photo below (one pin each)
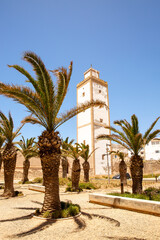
(0, 161)
(49, 146)
(9, 161)
(136, 173)
(122, 172)
(26, 165)
(76, 169)
(64, 167)
(86, 168)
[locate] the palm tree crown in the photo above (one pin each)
(6, 128)
(28, 147)
(45, 102)
(130, 136)
(85, 151)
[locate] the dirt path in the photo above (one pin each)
(96, 222)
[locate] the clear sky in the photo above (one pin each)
(120, 38)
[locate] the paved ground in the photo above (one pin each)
(96, 222)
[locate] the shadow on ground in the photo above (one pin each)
(81, 224)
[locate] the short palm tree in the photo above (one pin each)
(29, 149)
(74, 152)
(122, 166)
(65, 164)
(85, 155)
(9, 154)
(44, 104)
(2, 139)
(131, 138)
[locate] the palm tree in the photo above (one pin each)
(9, 154)
(85, 155)
(65, 164)
(74, 152)
(2, 139)
(131, 138)
(44, 105)
(29, 149)
(122, 166)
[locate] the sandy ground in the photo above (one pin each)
(96, 222)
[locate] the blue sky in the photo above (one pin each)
(120, 38)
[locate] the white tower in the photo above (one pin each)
(91, 122)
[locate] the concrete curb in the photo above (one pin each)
(132, 204)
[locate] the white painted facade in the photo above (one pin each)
(91, 122)
(152, 150)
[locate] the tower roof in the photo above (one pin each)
(91, 72)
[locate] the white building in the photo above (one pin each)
(152, 150)
(91, 122)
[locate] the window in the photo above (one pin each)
(83, 94)
(115, 156)
(101, 120)
(157, 151)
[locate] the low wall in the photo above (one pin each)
(137, 205)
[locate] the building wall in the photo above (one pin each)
(152, 150)
(91, 123)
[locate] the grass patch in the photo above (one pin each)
(67, 210)
(64, 181)
(150, 193)
(82, 185)
(151, 175)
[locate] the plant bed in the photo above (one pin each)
(132, 204)
(82, 186)
(68, 211)
(150, 193)
(16, 194)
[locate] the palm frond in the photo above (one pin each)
(29, 77)
(74, 111)
(63, 79)
(34, 120)
(150, 129)
(113, 138)
(152, 136)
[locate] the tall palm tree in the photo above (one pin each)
(131, 138)
(122, 166)
(44, 104)
(29, 149)
(85, 155)
(64, 159)
(9, 154)
(74, 152)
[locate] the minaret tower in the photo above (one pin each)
(91, 122)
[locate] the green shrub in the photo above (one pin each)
(38, 180)
(64, 213)
(18, 193)
(73, 210)
(70, 189)
(46, 214)
(63, 181)
(67, 210)
(82, 185)
(151, 175)
(87, 185)
(150, 193)
(56, 214)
